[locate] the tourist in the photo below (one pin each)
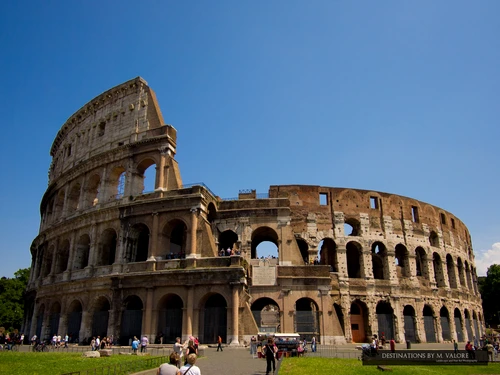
(455, 346)
(219, 343)
(470, 350)
(313, 344)
(135, 345)
(144, 344)
(190, 368)
(190, 350)
(374, 345)
(179, 350)
(392, 345)
(170, 368)
(270, 350)
(253, 346)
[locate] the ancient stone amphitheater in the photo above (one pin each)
(114, 259)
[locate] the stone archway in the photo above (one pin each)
(359, 321)
(214, 318)
(170, 318)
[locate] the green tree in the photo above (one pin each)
(12, 299)
(489, 287)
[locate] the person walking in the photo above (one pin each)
(179, 349)
(144, 344)
(219, 343)
(135, 344)
(270, 352)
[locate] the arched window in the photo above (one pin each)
(263, 234)
(354, 259)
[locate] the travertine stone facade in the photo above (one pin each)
(114, 259)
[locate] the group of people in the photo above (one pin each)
(58, 341)
(97, 343)
(10, 338)
(142, 343)
(183, 358)
(228, 252)
(483, 344)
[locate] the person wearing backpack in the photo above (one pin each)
(270, 350)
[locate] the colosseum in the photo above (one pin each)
(112, 258)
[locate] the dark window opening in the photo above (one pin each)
(374, 203)
(323, 199)
(68, 152)
(414, 214)
(355, 327)
(453, 223)
(443, 219)
(102, 128)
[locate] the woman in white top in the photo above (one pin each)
(190, 368)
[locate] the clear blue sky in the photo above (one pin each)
(395, 96)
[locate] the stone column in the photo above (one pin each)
(86, 325)
(439, 328)
(189, 311)
(161, 170)
(71, 257)
(391, 266)
(153, 243)
(120, 251)
(147, 329)
(93, 246)
(366, 264)
(194, 226)
(342, 261)
(54, 258)
(235, 309)
(63, 324)
(430, 272)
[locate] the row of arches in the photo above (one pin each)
(104, 251)
(170, 319)
(435, 327)
(99, 187)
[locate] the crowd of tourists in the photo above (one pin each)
(182, 359)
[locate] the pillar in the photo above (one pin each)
(189, 311)
(194, 226)
(235, 316)
(147, 330)
(153, 243)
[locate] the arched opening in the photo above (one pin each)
(445, 323)
(228, 241)
(461, 274)
(100, 317)
(74, 321)
(263, 234)
(131, 324)
(402, 261)
(267, 250)
(304, 249)
(117, 183)
(59, 205)
(421, 263)
(340, 316)
(379, 261)
(266, 313)
(175, 235)
(359, 321)
(212, 213)
(450, 267)
(409, 318)
(385, 318)
(438, 270)
(468, 325)
(214, 318)
(47, 261)
(92, 191)
(137, 244)
(106, 256)
(50, 211)
(459, 325)
(307, 318)
(74, 198)
(429, 326)
(354, 259)
(39, 320)
(170, 318)
(434, 239)
(55, 315)
(328, 254)
(146, 178)
(81, 259)
(62, 257)
(351, 227)
(467, 276)
(476, 326)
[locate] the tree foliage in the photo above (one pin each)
(12, 299)
(490, 290)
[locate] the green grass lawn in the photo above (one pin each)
(322, 366)
(18, 363)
